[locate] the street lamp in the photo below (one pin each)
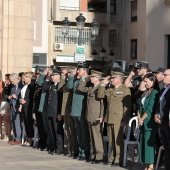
(111, 55)
(102, 53)
(94, 29)
(80, 20)
(65, 26)
(94, 55)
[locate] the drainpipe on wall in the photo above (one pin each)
(108, 12)
(50, 8)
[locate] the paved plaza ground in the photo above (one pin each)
(26, 158)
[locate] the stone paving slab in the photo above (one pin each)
(14, 157)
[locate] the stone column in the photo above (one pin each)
(17, 35)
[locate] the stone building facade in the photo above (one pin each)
(107, 12)
(16, 35)
(146, 32)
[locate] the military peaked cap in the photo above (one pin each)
(83, 65)
(95, 73)
(117, 74)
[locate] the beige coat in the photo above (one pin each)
(118, 103)
(67, 97)
(94, 104)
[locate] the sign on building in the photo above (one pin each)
(79, 57)
(80, 49)
(65, 58)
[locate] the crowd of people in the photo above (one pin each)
(84, 105)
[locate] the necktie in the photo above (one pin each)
(14, 91)
(161, 100)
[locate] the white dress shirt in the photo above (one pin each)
(23, 90)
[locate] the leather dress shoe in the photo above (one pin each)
(109, 164)
(54, 151)
(31, 143)
(97, 161)
(75, 156)
(88, 160)
(17, 142)
(10, 141)
(70, 155)
(44, 149)
(81, 158)
(51, 151)
(59, 153)
(121, 164)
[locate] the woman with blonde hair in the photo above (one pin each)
(26, 106)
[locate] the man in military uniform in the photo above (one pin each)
(52, 101)
(135, 83)
(78, 111)
(66, 110)
(44, 77)
(117, 115)
(38, 115)
(94, 115)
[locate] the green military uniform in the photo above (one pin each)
(78, 111)
(40, 82)
(68, 120)
(94, 111)
(118, 110)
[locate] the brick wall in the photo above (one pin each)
(83, 5)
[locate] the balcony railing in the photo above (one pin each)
(70, 8)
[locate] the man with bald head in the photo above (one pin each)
(163, 116)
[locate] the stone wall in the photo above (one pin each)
(16, 44)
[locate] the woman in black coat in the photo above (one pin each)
(26, 106)
(4, 108)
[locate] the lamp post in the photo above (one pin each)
(65, 26)
(111, 55)
(80, 26)
(102, 55)
(94, 55)
(94, 29)
(80, 20)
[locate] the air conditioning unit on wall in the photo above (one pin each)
(58, 46)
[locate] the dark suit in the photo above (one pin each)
(38, 115)
(27, 110)
(53, 101)
(164, 127)
(14, 114)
